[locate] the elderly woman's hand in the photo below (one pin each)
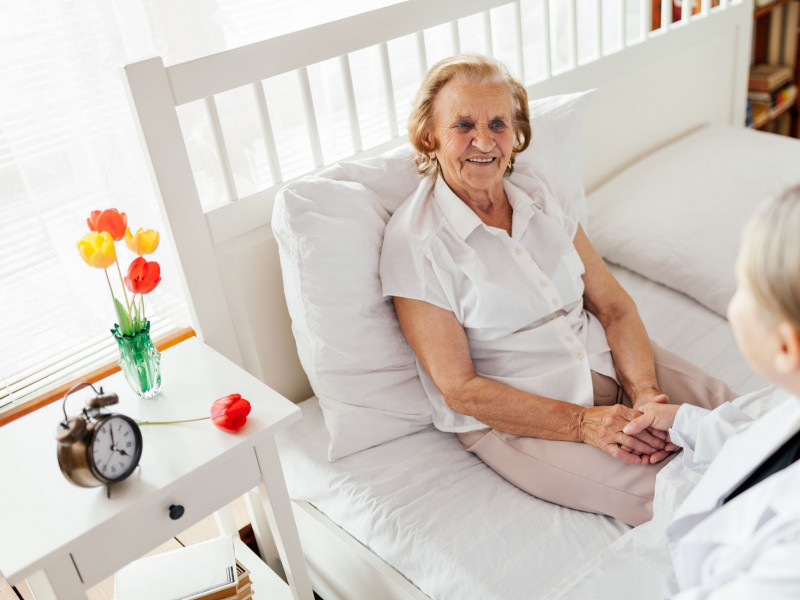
(602, 426)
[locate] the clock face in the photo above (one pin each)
(115, 448)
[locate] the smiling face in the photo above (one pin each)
(473, 136)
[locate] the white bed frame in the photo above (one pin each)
(650, 92)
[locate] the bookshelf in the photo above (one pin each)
(776, 26)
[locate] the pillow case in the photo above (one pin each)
(677, 215)
(329, 229)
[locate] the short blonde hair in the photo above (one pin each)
(769, 258)
(469, 67)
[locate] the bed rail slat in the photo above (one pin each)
(573, 32)
(666, 15)
(686, 10)
(548, 51)
(518, 41)
(646, 18)
(422, 55)
(455, 37)
(267, 133)
(598, 26)
(388, 89)
(311, 117)
(487, 33)
(222, 150)
(350, 100)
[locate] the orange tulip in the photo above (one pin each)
(144, 241)
(109, 220)
(97, 249)
(143, 276)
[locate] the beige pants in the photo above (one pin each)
(584, 477)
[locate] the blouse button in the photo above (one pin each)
(543, 282)
(555, 301)
(570, 338)
(517, 251)
(580, 356)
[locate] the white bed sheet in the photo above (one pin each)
(455, 528)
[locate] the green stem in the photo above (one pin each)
(144, 318)
(171, 422)
(124, 291)
(110, 289)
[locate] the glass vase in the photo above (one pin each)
(139, 361)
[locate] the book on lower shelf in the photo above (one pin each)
(765, 108)
(766, 77)
(205, 571)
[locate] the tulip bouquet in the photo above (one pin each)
(97, 249)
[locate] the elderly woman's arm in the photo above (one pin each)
(630, 345)
(441, 346)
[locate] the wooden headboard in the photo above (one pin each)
(650, 91)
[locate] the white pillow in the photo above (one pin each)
(329, 229)
(676, 216)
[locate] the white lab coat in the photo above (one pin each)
(749, 548)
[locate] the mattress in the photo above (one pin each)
(455, 528)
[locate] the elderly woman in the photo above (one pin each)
(527, 346)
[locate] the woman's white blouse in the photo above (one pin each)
(519, 297)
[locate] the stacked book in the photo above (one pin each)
(770, 92)
(205, 571)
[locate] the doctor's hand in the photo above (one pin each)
(656, 418)
(602, 426)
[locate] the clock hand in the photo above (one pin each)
(110, 456)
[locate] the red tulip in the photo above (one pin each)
(229, 413)
(110, 220)
(143, 276)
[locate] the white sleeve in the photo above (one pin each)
(408, 272)
(772, 574)
(701, 433)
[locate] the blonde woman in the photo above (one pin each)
(737, 535)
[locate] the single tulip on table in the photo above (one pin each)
(228, 413)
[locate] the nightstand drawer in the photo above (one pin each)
(133, 534)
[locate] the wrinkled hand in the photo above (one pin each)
(602, 426)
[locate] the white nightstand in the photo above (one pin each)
(64, 539)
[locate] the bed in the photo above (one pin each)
(279, 263)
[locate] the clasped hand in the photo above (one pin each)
(644, 441)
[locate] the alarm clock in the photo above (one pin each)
(97, 448)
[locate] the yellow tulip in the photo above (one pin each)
(144, 241)
(97, 249)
